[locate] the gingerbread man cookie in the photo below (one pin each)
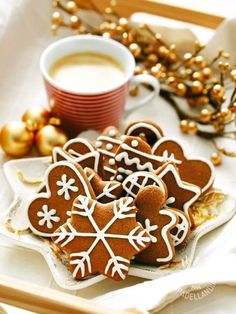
(158, 221)
(81, 151)
(181, 195)
(48, 210)
(145, 129)
(107, 144)
(195, 170)
(105, 191)
(101, 238)
(133, 155)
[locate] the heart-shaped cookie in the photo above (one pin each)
(196, 170)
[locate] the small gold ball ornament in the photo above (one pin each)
(36, 117)
(205, 115)
(207, 73)
(226, 115)
(196, 87)
(135, 49)
(16, 139)
(218, 91)
(192, 128)
(74, 22)
(184, 126)
(181, 89)
(49, 137)
(216, 159)
(57, 18)
(71, 7)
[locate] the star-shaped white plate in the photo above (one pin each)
(34, 168)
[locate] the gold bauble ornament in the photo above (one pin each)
(36, 117)
(163, 52)
(49, 137)
(216, 159)
(207, 73)
(15, 139)
(218, 91)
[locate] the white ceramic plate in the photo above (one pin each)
(34, 168)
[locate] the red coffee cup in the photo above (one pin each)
(80, 111)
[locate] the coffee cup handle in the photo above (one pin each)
(146, 79)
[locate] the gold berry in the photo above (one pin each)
(205, 115)
(192, 128)
(74, 22)
(71, 7)
(218, 91)
(216, 159)
(57, 18)
(207, 73)
(135, 49)
(184, 126)
(226, 115)
(181, 89)
(196, 87)
(163, 51)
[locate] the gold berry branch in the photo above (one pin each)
(190, 77)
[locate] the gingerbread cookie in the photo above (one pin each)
(79, 150)
(107, 144)
(158, 222)
(133, 155)
(181, 231)
(101, 238)
(48, 210)
(145, 129)
(105, 191)
(195, 170)
(137, 180)
(181, 195)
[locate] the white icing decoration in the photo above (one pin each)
(134, 143)
(113, 171)
(105, 152)
(94, 154)
(108, 188)
(109, 139)
(169, 201)
(66, 187)
(164, 232)
(109, 146)
(144, 125)
(123, 137)
(142, 134)
(165, 140)
(171, 168)
(48, 216)
(125, 171)
(181, 227)
(79, 140)
(47, 194)
(119, 177)
(117, 264)
(135, 177)
(130, 161)
(149, 228)
(171, 158)
(98, 144)
(112, 132)
(112, 161)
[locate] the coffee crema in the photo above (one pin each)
(87, 72)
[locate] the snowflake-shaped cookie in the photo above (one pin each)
(101, 238)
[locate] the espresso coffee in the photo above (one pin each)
(87, 72)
